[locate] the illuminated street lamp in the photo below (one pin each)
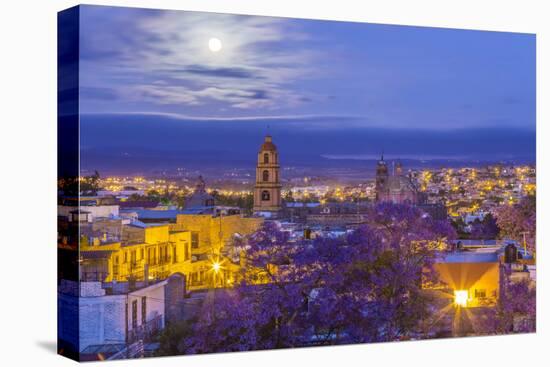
(216, 266)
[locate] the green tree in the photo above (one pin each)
(172, 336)
(89, 185)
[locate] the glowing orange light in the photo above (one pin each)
(461, 298)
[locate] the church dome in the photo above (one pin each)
(268, 144)
(200, 197)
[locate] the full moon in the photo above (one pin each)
(214, 44)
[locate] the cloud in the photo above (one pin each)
(162, 58)
(238, 98)
(98, 93)
(140, 115)
(221, 72)
(158, 60)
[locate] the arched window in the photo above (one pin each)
(266, 157)
(265, 175)
(265, 195)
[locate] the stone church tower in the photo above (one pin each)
(396, 187)
(381, 179)
(267, 191)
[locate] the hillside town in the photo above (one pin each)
(143, 261)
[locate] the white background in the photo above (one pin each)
(28, 180)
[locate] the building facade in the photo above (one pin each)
(212, 237)
(139, 252)
(396, 187)
(200, 197)
(144, 253)
(267, 191)
(114, 318)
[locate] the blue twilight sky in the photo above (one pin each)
(348, 89)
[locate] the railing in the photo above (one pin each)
(94, 276)
(159, 261)
(134, 350)
(134, 266)
(164, 260)
(145, 331)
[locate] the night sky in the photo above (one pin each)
(152, 91)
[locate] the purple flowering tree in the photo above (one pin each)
(515, 311)
(516, 220)
(365, 287)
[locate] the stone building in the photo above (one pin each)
(144, 251)
(97, 322)
(395, 187)
(151, 251)
(212, 237)
(267, 191)
(200, 197)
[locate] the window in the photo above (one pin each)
(265, 175)
(115, 268)
(194, 239)
(133, 258)
(163, 254)
(143, 310)
(151, 256)
(266, 157)
(265, 195)
(134, 314)
(175, 254)
(480, 293)
(185, 251)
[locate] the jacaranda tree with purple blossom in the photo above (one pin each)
(518, 220)
(515, 311)
(363, 287)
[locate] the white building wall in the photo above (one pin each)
(101, 211)
(102, 320)
(154, 303)
(102, 317)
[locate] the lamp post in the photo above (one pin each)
(524, 234)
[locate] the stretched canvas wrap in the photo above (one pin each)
(236, 183)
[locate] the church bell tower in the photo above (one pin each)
(382, 177)
(267, 191)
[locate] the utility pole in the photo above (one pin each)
(524, 234)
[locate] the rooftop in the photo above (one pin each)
(155, 214)
(268, 144)
(468, 257)
(96, 254)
